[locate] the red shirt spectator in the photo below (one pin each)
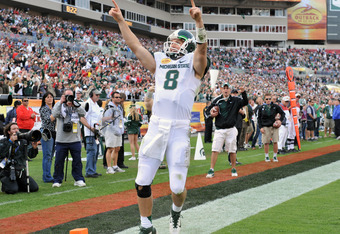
(25, 116)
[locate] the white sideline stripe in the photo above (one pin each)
(10, 202)
(127, 180)
(239, 206)
(158, 173)
(66, 191)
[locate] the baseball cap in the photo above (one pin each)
(96, 91)
(84, 87)
(225, 84)
(298, 95)
(234, 91)
(285, 99)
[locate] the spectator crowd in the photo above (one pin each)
(31, 68)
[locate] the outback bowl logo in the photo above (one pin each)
(166, 61)
(307, 15)
(336, 3)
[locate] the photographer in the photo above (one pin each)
(69, 115)
(13, 162)
(93, 114)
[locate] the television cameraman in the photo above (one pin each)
(13, 162)
(69, 115)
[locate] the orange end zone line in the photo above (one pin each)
(42, 219)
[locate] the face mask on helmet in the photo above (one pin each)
(175, 50)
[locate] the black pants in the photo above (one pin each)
(104, 158)
(337, 127)
(208, 130)
(238, 136)
(18, 185)
(120, 160)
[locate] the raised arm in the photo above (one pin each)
(132, 41)
(200, 54)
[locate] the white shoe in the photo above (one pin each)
(338, 138)
(175, 222)
(267, 159)
(79, 183)
(132, 158)
(234, 172)
(118, 169)
(56, 185)
(110, 170)
(247, 146)
(275, 159)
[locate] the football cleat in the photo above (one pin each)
(150, 230)
(175, 222)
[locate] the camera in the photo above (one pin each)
(33, 135)
(67, 127)
(5, 99)
(70, 98)
(46, 134)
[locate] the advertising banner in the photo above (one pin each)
(308, 20)
(197, 119)
(334, 5)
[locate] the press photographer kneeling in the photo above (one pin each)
(13, 170)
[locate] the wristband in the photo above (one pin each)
(201, 35)
(149, 94)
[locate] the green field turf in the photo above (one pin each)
(317, 211)
(129, 217)
(107, 184)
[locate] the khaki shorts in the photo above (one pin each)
(270, 133)
(329, 123)
(112, 141)
(225, 136)
(250, 128)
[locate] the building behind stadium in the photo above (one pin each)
(230, 23)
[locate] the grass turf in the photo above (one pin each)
(317, 211)
(128, 216)
(107, 184)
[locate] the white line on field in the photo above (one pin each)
(10, 202)
(236, 207)
(126, 180)
(159, 173)
(118, 181)
(322, 142)
(66, 191)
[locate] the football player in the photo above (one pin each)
(178, 72)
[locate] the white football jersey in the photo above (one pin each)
(176, 87)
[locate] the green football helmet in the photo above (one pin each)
(188, 46)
